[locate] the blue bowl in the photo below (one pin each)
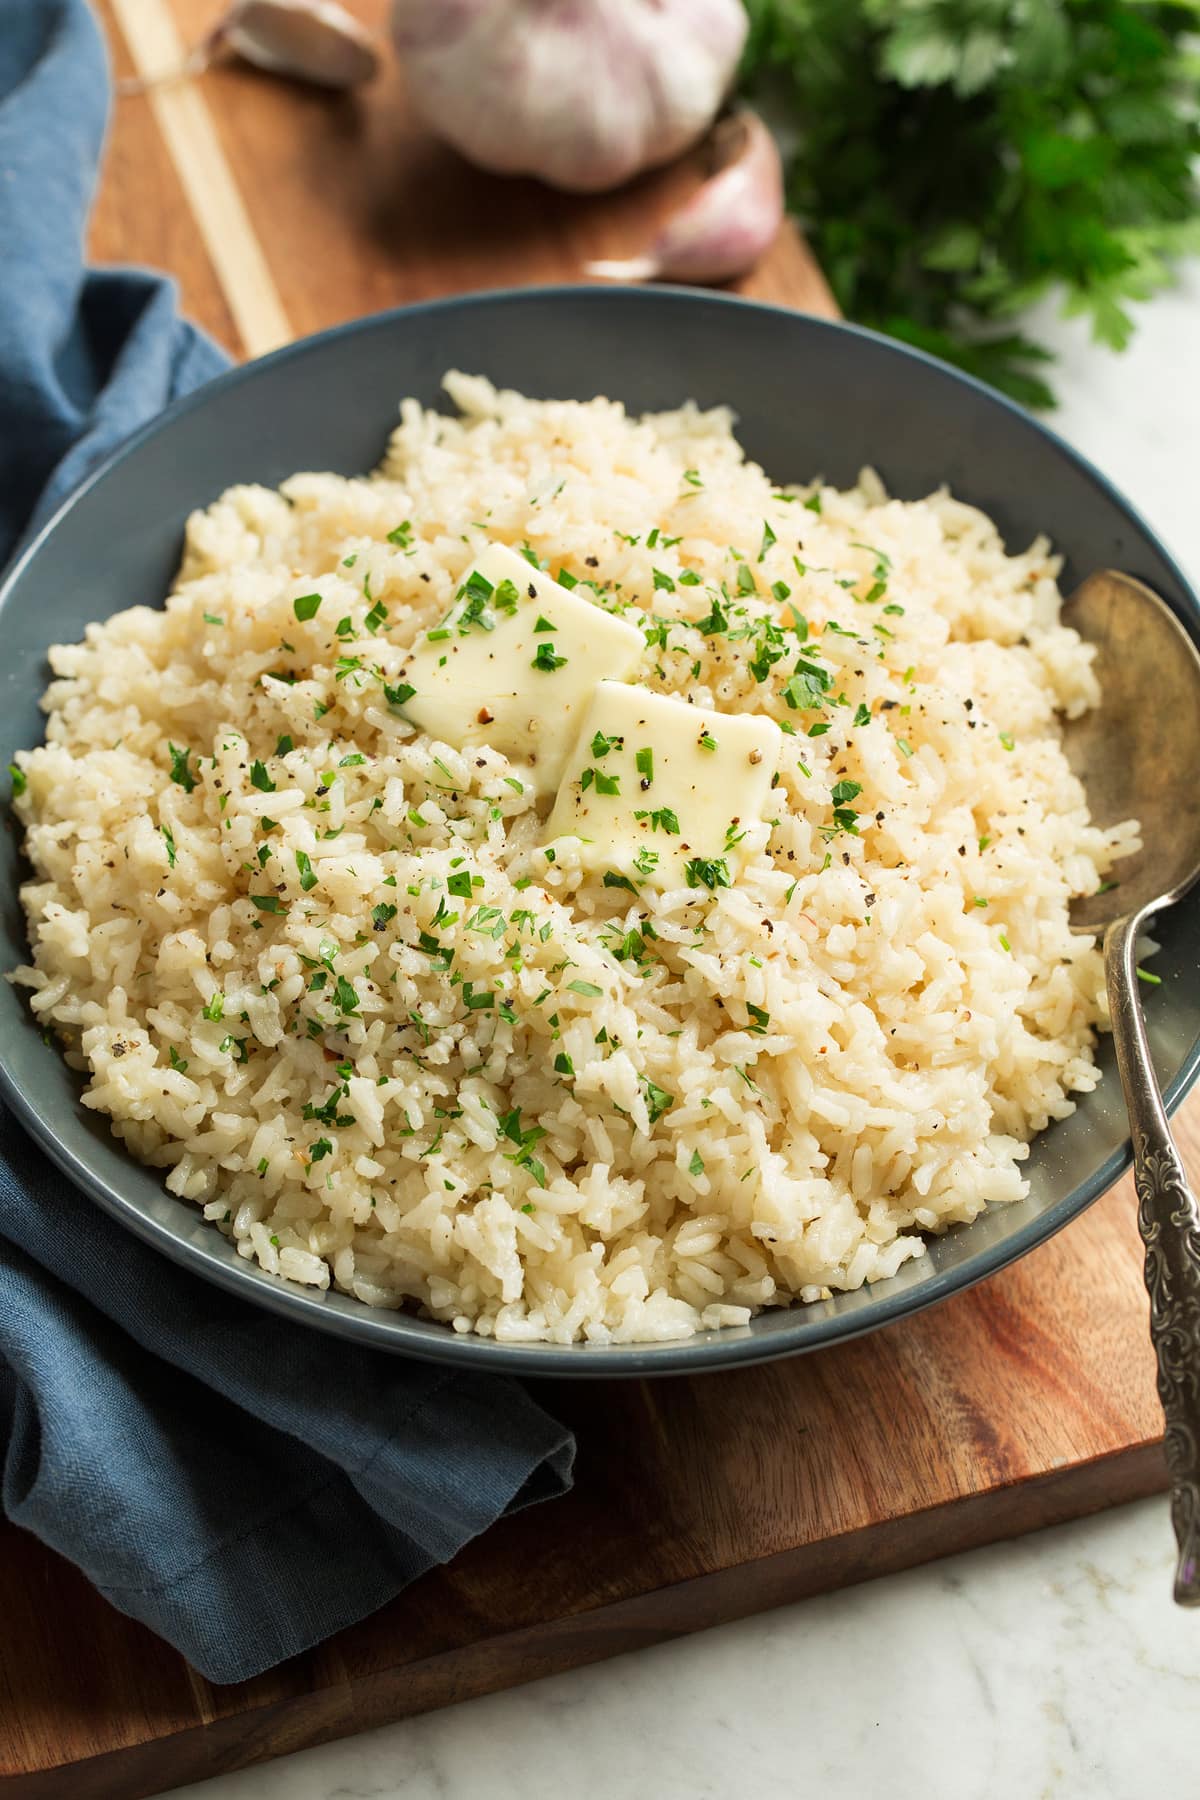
(811, 398)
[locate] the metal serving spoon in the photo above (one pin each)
(1138, 755)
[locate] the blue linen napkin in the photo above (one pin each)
(242, 1485)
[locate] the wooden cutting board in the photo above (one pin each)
(1027, 1401)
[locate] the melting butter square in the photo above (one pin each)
(660, 791)
(514, 663)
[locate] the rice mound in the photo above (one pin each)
(667, 1111)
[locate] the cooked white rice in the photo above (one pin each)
(848, 1048)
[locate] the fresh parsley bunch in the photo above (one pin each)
(954, 159)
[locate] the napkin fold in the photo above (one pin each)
(242, 1485)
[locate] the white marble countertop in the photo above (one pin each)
(1053, 1668)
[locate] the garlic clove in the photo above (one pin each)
(727, 224)
(310, 40)
(313, 40)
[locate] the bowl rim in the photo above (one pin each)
(394, 1331)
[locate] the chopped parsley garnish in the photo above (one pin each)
(260, 779)
(587, 988)
(308, 878)
(547, 659)
(604, 784)
(658, 1100)
(320, 1149)
(761, 1019)
(169, 840)
(215, 1008)
(808, 686)
(601, 745)
(376, 618)
(307, 606)
(268, 903)
(716, 620)
(460, 884)
(327, 1113)
(1008, 740)
(345, 996)
(396, 696)
(662, 581)
(709, 872)
(692, 477)
(477, 591)
(644, 764)
(402, 535)
(613, 880)
(768, 538)
(383, 914)
(179, 1063)
(646, 861)
(745, 579)
(845, 791)
(813, 503)
(661, 819)
(862, 714)
(696, 1166)
(705, 741)
(903, 745)
(180, 771)
(543, 624)
(20, 781)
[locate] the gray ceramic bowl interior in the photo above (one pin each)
(811, 397)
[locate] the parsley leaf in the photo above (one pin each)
(709, 872)
(180, 771)
(955, 159)
(547, 659)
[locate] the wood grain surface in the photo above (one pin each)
(1024, 1402)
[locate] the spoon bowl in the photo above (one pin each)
(1138, 754)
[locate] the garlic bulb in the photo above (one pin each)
(583, 93)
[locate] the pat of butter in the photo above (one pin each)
(659, 791)
(513, 664)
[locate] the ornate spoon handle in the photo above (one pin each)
(1170, 1227)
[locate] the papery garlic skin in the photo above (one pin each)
(582, 93)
